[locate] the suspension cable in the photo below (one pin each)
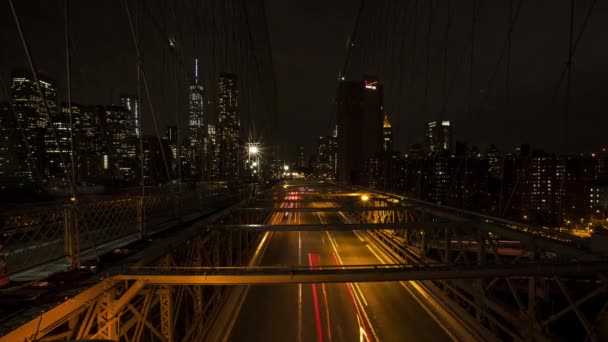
(69, 182)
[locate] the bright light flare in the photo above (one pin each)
(364, 198)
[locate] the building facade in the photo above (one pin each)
(438, 136)
(359, 115)
(196, 125)
(228, 127)
(131, 102)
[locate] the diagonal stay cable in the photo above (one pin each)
(147, 89)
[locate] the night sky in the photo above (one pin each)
(308, 41)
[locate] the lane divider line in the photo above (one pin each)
(316, 302)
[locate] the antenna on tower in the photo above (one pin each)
(196, 70)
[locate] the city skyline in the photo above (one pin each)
(539, 124)
(270, 170)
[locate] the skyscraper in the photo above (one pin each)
(196, 127)
(211, 153)
(171, 141)
(90, 142)
(359, 117)
(300, 162)
(229, 126)
(387, 135)
(438, 136)
(326, 159)
(120, 159)
(33, 110)
(131, 102)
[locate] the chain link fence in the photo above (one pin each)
(34, 236)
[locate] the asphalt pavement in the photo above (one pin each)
(329, 312)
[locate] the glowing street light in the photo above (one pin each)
(253, 149)
(286, 167)
(364, 198)
(253, 154)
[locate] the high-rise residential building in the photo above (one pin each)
(359, 117)
(33, 110)
(229, 126)
(575, 180)
(494, 161)
(131, 102)
(536, 193)
(387, 135)
(438, 136)
(196, 126)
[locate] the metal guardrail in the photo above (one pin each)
(546, 233)
(34, 236)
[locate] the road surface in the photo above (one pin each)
(329, 312)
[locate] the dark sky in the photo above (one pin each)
(309, 47)
(308, 41)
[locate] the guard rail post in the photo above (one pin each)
(70, 236)
(140, 209)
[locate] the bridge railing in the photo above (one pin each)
(541, 232)
(38, 235)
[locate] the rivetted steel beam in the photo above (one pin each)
(306, 200)
(320, 227)
(325, 209)
(343, 274)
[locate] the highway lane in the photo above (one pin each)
(329, 312)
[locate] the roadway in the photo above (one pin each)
(329, 312)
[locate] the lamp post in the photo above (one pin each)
(253, 154)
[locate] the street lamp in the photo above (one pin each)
(253, 149)
(253, 154)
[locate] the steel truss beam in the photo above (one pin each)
(265, 202)
(324, 209)
(509, 307)
(351, 273)
(319, 227)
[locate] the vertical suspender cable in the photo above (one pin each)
(41, 94)
(472, 57)
(569, 73)
(67, 57)
(140, 122)
(445, 58)
(352, 40)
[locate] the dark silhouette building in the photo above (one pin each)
(359, 116)
(438, 136)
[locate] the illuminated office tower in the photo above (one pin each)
(120, 159)
(300, 161)
(229, 126)
(438, 136)
(387, 135)
(211, 153)
(32, 110)
(131, 102)
(196, 127)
